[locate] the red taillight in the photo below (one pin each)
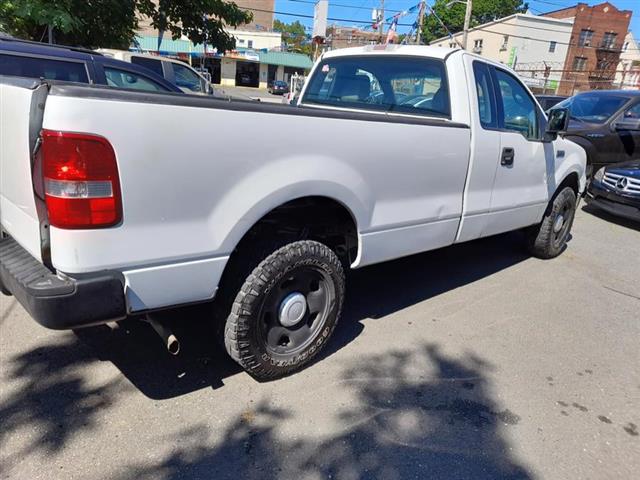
(81, 183)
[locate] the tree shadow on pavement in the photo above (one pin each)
(54, 396)
(414, 415)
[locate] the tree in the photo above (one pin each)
(294, 35)
(453, 17)
(113, 23)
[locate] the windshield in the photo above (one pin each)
(592, 108)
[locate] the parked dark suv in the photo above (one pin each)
(606, 123)
(53, 62)
(549, 101)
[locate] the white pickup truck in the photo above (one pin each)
(117, 203)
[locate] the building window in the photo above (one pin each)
(586, 36)
(453, 44)
(626, 45)
(580, 63)
(477, 45)
(250, 43)
(505, 42)
(552, 46)
(603, 65)
(240, 40)
(609, 40)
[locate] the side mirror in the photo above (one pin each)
(627, 124)
(558, 122)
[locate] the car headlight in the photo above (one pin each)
(599, 175)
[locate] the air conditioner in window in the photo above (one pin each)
(477, 49)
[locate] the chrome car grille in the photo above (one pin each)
(622, 183)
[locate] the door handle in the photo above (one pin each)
(507, 156)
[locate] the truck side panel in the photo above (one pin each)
(194, 180)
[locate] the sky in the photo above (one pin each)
(360, 10)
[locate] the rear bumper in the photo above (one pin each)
(60, 302)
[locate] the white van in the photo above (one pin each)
(179, 73)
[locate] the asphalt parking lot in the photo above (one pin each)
(248, 93)
(472, 362)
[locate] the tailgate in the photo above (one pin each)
(21, 109)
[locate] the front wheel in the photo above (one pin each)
(286, 310)
(549, 238)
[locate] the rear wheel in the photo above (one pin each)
(549, 238)
(286, 310)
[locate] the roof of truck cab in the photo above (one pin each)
(392, 49)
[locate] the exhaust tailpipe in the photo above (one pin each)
(170, 341)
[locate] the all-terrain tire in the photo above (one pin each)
(549, 238)
(251, 320)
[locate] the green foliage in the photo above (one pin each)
(112, 23)
(295, 36)
(453, 17)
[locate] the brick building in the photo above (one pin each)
(262, 20)
(595, 46)
(345, 37)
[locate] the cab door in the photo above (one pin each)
(520, 193)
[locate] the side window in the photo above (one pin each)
(133, 81)
(633, 112)
(154, 65)
(187, 78)
(31, 67)
(400, 84)
(518, 110)
(486, 98)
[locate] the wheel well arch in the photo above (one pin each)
(318, 218)
(571, 180)
(313, 217)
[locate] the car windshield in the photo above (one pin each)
(593, 108)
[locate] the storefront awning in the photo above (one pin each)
(181, 47)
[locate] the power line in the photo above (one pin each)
(333, 19)
(556, 4)
(362, 7)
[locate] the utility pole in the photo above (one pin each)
(420, 20)
(467, 20)
(382, 21)
(50, 33)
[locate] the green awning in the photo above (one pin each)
(174, 47)
(169, 46)
(287, 59)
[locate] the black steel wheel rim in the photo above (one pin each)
(561, 235)
(317, 288)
